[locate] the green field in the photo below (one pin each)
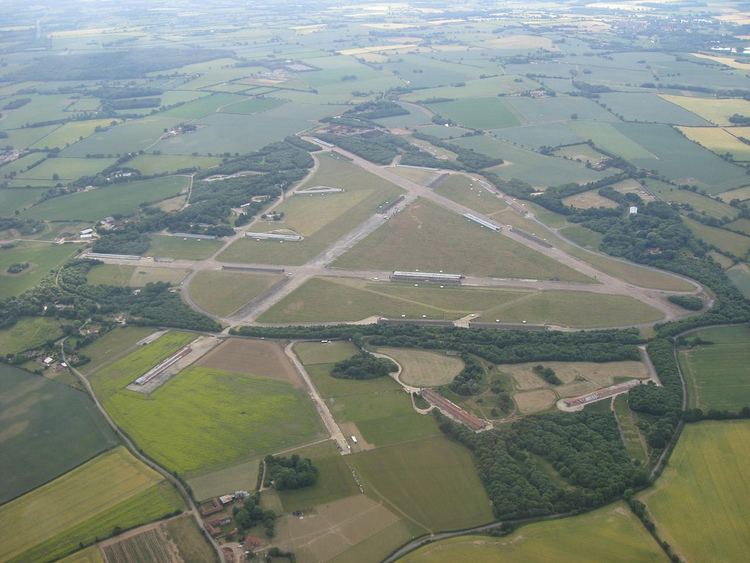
(66, 169)
(324, 353)
(99, 203)
(465, 191)
(699, 504)
(377, 409)
(222, 293)
(322, 219)
(712, 207)
(130, 136)
(478, 113)
(70, 133)
(253, 105)
(28, 333)
(204, 419)
(88, 555)
(634, 442)
(725, 241)
(182, 248)
(716, 374)
(31, 408)
(429, 238)
(582, 236)
(535, 168)
(41, 257)
(108, 347)
(433, 482)
(149, 164)
(335, 479)
(17, 199)
(113, 489)
(639, 106)
(740, 276)
(575, 309)
(611, 534)
(331, 300)
(133, 276)
(243, 476)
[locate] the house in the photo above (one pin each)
(226, 499)
(86, 232)
(633, 210)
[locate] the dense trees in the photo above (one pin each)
(289, 472)
(251, 514)
(363, 366)
(662, 404)
(550, 463)
(690, 302)
(469, 380)
(496, 346)
(548, 374)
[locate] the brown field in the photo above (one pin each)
(350, 429)
(174, 541)
(601, 375)
(424, 369)
(742, 194)
(333, 528)
(587, 200)
(535, 401)
(254, 357)
(632, 187)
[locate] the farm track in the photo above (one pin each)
(192, 508)
(320, 265)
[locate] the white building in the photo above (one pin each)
(633, 210)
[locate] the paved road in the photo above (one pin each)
(320, 265)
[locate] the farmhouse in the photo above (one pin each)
(435, 277)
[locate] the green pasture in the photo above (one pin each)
(18, 166)
(716, 374)
(419, 479)
(725, 241)
(31, 408)
(634, 441)
(253, 105)
(182, 248)
(557, 109)
(322, 219)
(575, 309)
(331, 300)
(680, 159)
(41, 108)
(23, 138)
(18, 199)
(465, 191)
(477, 113)
(610, 534)
(335, 479)
(222, 293)
(111, 200)
(41, 257)
(28, 333)
(699, 503)
(202, 107)
(482, 88)
(311, 353)
(702, 204)
(108, 347)
(379, 408)
(130, 136)
(70, 133)
(150, 164)
(204, 419)
(740, 277)
(65, 169)
(537, 169)
(134, 276)
(649, 107)
(113, 489)
(429, 238)
(542, 135)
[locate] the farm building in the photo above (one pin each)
(490, 225)
(86, 232)
(275, 236)
(633, 210)
(434, 277)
